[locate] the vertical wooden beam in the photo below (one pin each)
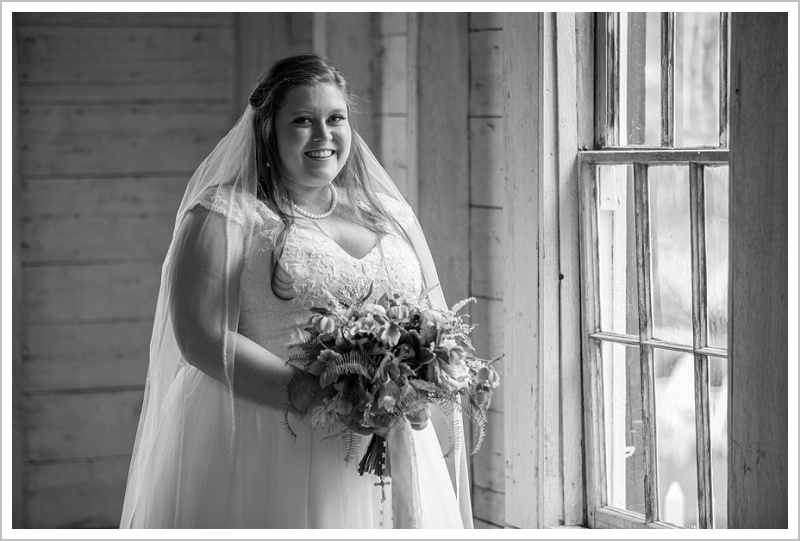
(442, 105)
(697, 201)
(642, 210)
(584, 43)
(412, 111)
(569, 268)
(319, 33)
(667, 79)
(443, 132)
(18, 419)
(524, 42)
(607, 79)
(261, 39)
(350, 41)
(758, 330)
(552, 497)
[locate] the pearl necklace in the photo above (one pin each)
(334, 202)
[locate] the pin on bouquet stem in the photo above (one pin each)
(376, 461)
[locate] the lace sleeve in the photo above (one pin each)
(239, 207)
(399, 210)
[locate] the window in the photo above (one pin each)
(654, 241)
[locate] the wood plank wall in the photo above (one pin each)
(115, 113)
(525, 435)
(349, 42)
(438, 119)
(758, 310)
(395, 104)
(443, 132)
(263, 38)
(487, 230)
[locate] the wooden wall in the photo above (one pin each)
(436, 120)
(758, 310)
(395, 112)
(487, 176)
(115, 113)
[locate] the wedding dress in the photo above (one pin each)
(206, 458)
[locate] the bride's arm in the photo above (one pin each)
(198, 298)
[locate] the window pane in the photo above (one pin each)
(617, 256)
(697, 79)
(622, 397)
(671, 253)
(716, 183)
(718, 403)
(675, 429)
(640, 79)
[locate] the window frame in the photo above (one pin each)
(607, 151)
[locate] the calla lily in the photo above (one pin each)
(429, 323)
(387, 396)
(455, 375)
(390, 334)
(488, 377)
(324, 324)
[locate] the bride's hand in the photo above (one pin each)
(420, 420)
(358, 428)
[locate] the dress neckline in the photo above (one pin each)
(339, 246)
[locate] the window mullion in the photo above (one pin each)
(592, 375)
(668, 79)
(642, 218)
(723, 79)
(705, 505)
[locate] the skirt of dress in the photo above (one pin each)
(198, 476)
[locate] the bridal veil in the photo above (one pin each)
(231, 171)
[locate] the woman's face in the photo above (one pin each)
(313, 135)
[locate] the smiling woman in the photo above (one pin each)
(290, 212)
(313, 138)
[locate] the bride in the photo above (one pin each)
(289, 209)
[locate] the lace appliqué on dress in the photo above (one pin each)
(320, 270)
(239, 207)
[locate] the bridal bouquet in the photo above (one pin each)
(366, 366)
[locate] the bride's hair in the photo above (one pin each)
(362, 206)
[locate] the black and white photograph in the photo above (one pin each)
(272, 268)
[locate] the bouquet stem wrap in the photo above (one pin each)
(405, 483)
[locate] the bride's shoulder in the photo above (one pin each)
(242, 207)
(399, 210)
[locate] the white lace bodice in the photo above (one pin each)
(318, 266)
